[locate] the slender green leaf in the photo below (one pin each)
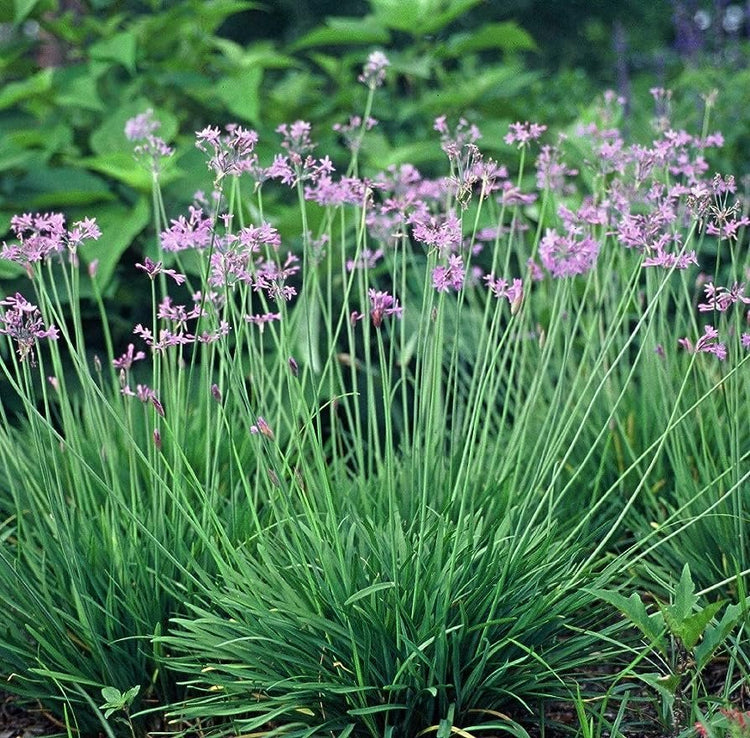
(367, 591)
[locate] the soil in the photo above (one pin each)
(24, 722)
(560, 719)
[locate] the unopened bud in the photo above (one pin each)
(262, 427)
(157, 405)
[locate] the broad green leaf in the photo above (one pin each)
(715, 635)
(42, 139)
(119, 225)
(13, 93)
(77, 88)
(500, 83)
(344, 31)
(120, 48)
(690, 629)
(57, 187)
(652, 626)
(433, 23)
(507, 36)
(22, 8)
(665, 685)
(420, 17)
(131, 694)
(111, 695)
(403, 16)
(124, 168)
(260, 53)
(212, 14)
(12, 156)
(684, 597)
(241, 93)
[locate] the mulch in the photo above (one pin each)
(25, 722)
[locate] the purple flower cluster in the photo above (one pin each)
(720, 299)
(373, 74)
(500, 288)
(522, 134)
(40, 236)
(230, 154)
(22, 322)
(450, 276)
(146, 395)
(382, 305)
(707, 343)
(150, 149)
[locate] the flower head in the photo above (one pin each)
(42, 235)
(153, 268)
(522, 134)
(708, 343)
(128, 358)
(382, 305)
(151, 150)
(452, 276)
(231, 153)
(22, 322)
(373, 74)
(567, 255)
(141, 126)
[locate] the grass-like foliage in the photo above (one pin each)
(376, 481)
(389, 627)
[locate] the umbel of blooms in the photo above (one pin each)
(22, 323)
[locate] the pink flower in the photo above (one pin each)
(708, 343)
(42, 235)
(195, 232)
(382, 305)
(128, 358)
(146, 395)
(153, 268)
(500, 288)
(230, 154)
(443, 234)
(721, 298)
(522, 134)
(373, 74)
(449, 277)
(568, 255)
(22, 322)
(141, 126)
